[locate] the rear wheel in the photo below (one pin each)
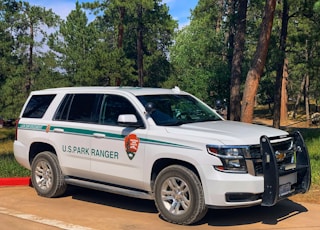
(46, 175)
(179, 195)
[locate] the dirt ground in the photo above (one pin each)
(85, 209)
(312, 196)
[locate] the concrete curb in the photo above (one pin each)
(15, 181)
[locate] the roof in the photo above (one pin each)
(108, 89)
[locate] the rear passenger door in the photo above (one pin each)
(72, 132)
(117, 154)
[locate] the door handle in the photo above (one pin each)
(58, 130)
(99, 135)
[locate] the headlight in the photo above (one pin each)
(232, 158)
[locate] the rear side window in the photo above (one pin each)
(37, 106)
(95, 108)
(80, 108)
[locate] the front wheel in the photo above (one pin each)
(179, 195)
(46, 175)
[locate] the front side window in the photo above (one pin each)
(113, 106)
(173, 109)
(37, 106)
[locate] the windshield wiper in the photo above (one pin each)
(173, 123)
(209, 119)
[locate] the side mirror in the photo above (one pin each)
(127, 118)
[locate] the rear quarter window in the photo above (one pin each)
(37, 106)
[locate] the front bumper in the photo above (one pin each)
(229, 190)
(226, 190)
(280, 183)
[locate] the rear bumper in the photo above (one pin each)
(21, 154)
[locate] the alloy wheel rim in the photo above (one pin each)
(43, 175)
(175, 194)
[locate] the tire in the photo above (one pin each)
(179, 195)
(46, 175)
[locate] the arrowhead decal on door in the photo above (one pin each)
(131, 143)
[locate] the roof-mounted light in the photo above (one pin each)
(176, 89)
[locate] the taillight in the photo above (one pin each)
(16, 134)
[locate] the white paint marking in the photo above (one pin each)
(38, 219)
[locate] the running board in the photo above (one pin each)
(109, 188)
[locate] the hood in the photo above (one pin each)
(226, 132)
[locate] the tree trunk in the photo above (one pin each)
(284, 95)
(306, 99)
(30, 65)
(296, 106)
(122, 11)
(30, 61)
(220, 4)
(255, 72)
(281, 67)
(239, 44)
(230, 34)
(306, 88)
(140, 46)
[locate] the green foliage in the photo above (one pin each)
(38, 50)
(303, 48)
(198, 56)
(120, 21)
(23, 30)
(316, 7)
(75, 44)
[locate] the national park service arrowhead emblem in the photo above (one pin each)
(131, 143)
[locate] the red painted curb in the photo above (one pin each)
(15, 181)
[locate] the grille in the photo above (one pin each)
(284, 151)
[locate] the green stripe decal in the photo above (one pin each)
(156, 142)
(86, 132)
(32, 127)
(89, 133)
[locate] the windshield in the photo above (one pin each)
(173, 109)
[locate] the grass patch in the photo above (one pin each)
(312, 140)
(6, 147)
(9, 167)
(7, 134)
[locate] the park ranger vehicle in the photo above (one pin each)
(159, 144)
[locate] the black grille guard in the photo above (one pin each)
(272, 172)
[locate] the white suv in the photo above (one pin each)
(159, 144)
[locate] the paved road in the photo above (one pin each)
(83, 209)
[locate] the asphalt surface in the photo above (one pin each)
(84, 209)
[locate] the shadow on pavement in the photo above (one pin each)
(257, 214)
(112, 200)
(215, 217)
